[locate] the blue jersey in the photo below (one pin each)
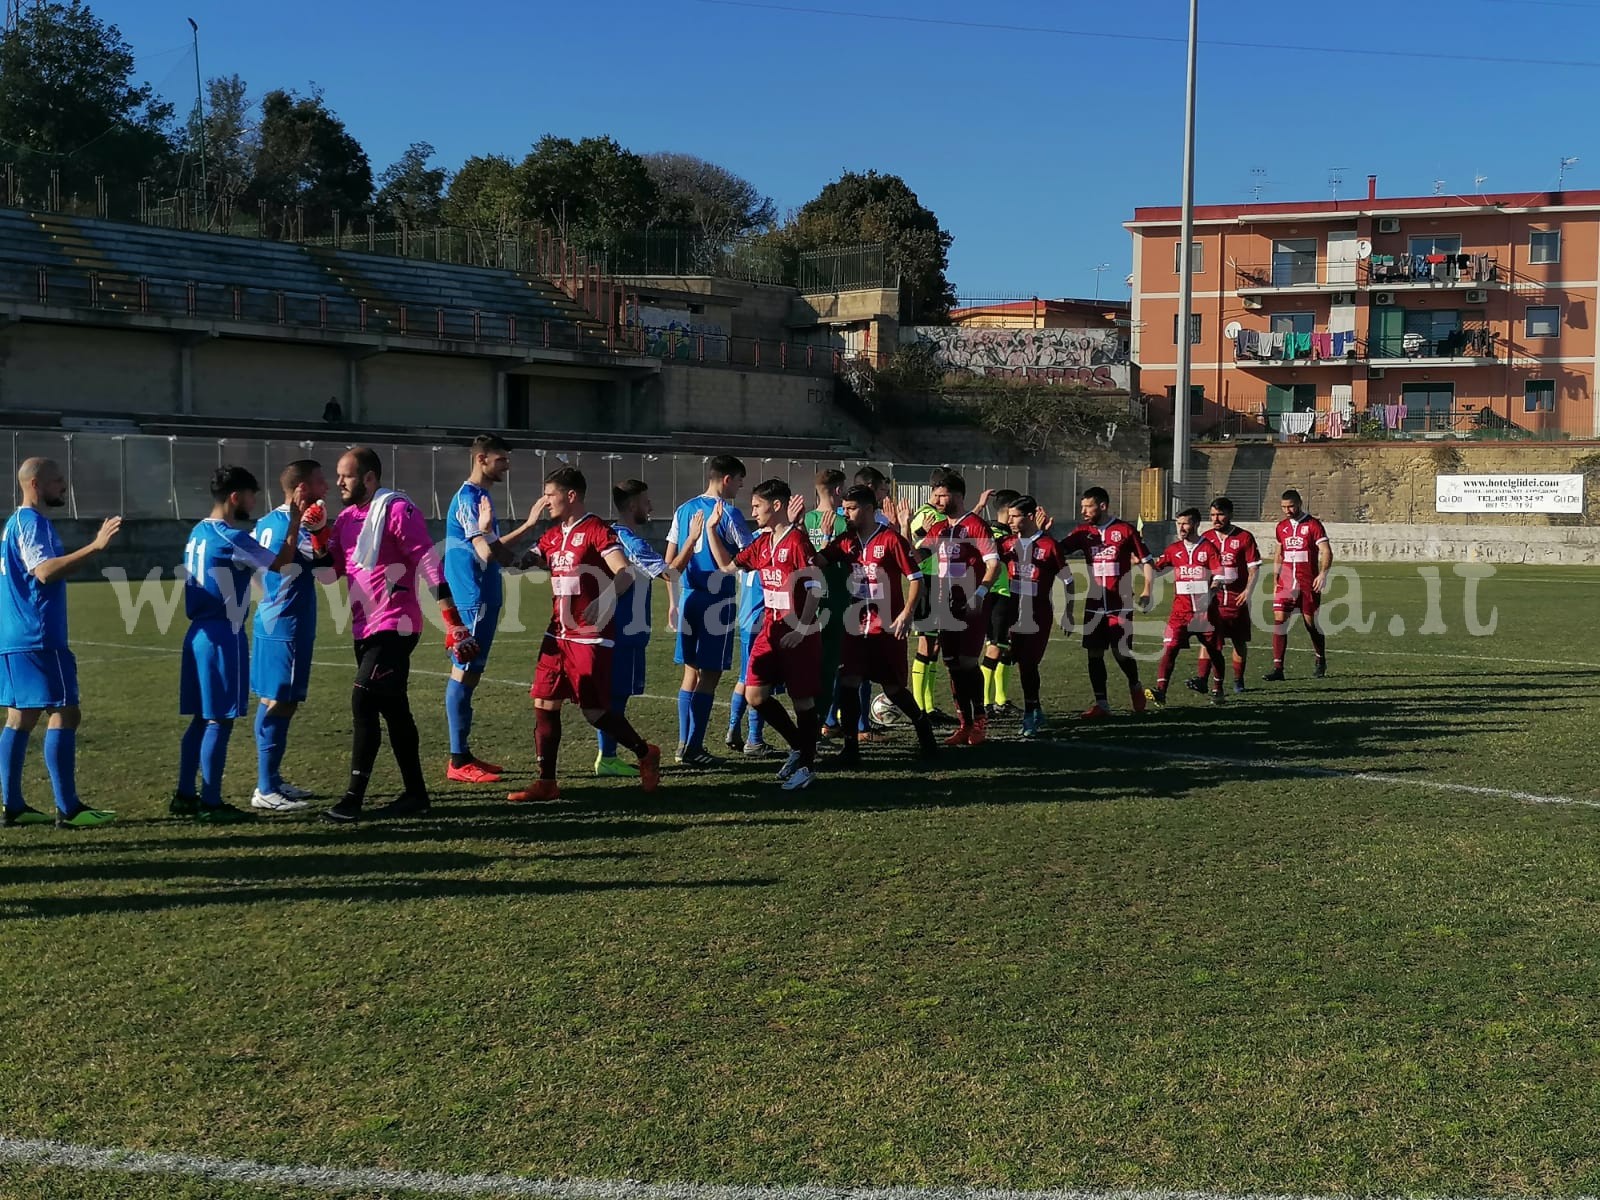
(701, 572)
(633, 613)
(473, 582)
(221, 561)
(752, 603)
(33, 615)
(288, 608)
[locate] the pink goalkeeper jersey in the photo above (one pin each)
(384, 598)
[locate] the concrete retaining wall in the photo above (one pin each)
(1542, 545)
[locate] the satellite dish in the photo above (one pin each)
(1363, 249)
(1232, 329)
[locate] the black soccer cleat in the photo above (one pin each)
(346, 812)
(1320, 670)
(406, 805)
(1273, 676)
(1195, 684)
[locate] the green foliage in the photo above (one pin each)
(861, 207)
(306, 157)
(589, 191)
(486, 195)
(232, 137)
(68, 101)
(410, 192)
(707, 199)
(1041, 418)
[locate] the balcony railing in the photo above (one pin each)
(1434, 270)
(1320, 345)
(1472, 340)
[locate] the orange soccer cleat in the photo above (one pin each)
(1094, 713)
(540, 789)
(472, 772)
(650, 768)
(978, 734)
(1138, 698)
(961, 736)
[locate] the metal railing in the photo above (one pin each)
(1471, 339)
(671, 252)
(847, 269)
(1253, 420)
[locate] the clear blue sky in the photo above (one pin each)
(1032, 147)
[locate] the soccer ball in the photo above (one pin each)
(885, 711)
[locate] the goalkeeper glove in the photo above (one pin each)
(458, 639)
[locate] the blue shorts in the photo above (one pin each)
(214, 679)
(482, 620)
(38, 679)
(706, 625)
(627, 670)
(280, 668)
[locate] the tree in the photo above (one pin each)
(68, 102)
(709, 200)
(411, 191)
(591, 192)
(486, 195)
(232, 138)
(868, 207)
(307, 158)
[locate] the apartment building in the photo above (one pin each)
(1432, 314)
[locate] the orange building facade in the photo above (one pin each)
(1431, 315)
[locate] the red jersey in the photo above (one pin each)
(785, 566)
(1237, 556)
(1112, 551)
(575, 556)
(1297, 553)
(961, 546)
(1032, 566)
(1192, 564)
(881, 564)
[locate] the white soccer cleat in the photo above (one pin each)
(287, 789)
(276, 802)
(800, 779)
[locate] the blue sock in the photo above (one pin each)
(831, 720)
(189, 755)
(608, 744)
(280, 744)
(740, 706)
(61, 760)
(699, 717)
(758, 726)
(685, 715)
(272, 739)
(213, 760)
(458, 709)
(864, 694)
(13, 749)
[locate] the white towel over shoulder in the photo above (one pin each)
(377, 519)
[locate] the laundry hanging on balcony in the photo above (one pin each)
(1433, 268)
(1271, 347)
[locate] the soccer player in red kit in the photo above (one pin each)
(1302, 541)
(967, 564)
(1033, 563)
(1194, 563)
(885, 583)
(588, 572)
(788, 650)
(1112, 548)
(1239, 568)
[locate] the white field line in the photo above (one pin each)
(517, 1187)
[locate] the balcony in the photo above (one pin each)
(1322, 347)
(1433, 272)
(1298, 277)
(1471, 345)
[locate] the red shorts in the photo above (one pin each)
(575, 671)
(1104, 631)
(1182, 628)
(1305, 601)
(968, 640)
(799, 670)
(876, 657)
(1233, 625)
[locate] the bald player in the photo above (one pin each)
(38, 674)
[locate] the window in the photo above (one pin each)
(1430, 332)
(1194, 329)
(1197, 252)
(1293, 322)
(1197, 398)
(1432, 244)
(1294, 261)
(1544, 321)
(1297, 397)
(1539, 395)
(1544, 246)
(1428, 405)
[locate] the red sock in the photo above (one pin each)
(1205, 668)
(1280, 647)
(547, 739)
(1169, 659)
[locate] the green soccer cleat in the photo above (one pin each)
(614, 768)
(223, 814)
(85, 818)
(24, 816)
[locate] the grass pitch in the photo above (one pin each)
(1161, 952)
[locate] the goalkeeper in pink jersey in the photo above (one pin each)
(380, 544)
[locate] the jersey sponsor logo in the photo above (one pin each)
(577, 539)
(783, 554)
(877, 552)
(563, 560)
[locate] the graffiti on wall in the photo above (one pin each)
(677, 333)
(1091, 358)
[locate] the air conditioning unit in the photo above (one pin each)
(1477, 297)
(1383, 298)
(1251, 302)
(1388, 224)
(1376, 372)
(1344, 297)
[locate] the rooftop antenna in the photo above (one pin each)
(1098, 269)
(1335, 178)
(15, 10)
(1561, 176)
(1478, 181)
(1438, 187)
(1258, 183)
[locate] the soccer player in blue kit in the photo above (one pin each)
(221, 559)
(702, 608)
(38, 674)
(474, 555)
(630, 500)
